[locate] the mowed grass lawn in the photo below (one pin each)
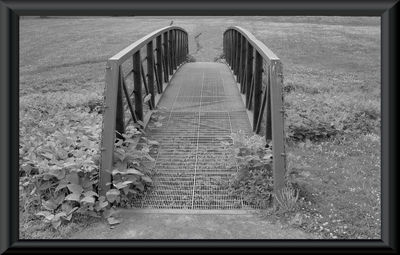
(332, 102)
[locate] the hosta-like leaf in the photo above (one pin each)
(112, 195)
(75, 188)
(149, 157)
(66, 207)
(72, 210)
(47, 215)
(56, 223)
(58, 215)
(132, 191)
(132, 178)
(72, 178)
(50, 205)
(45, 186)
(146, 98)
(120, 185)
(113, 221)
(68, 217)
(139, 186)
(89, 200)
(59, 199)
(134, 171)
(48, 156)
(147, 179)
(57, 172)
(27, 168)
(100, 205)
(151, 142)
(74, 197)
(61, 186)
(127, 171)
(90, 193)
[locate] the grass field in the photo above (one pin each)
(332, 101)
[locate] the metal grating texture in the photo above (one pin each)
(200, 109)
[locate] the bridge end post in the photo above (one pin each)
(109, 124)
(279, 156)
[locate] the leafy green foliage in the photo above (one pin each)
(253, 180)
(59, 158)
(130, 176)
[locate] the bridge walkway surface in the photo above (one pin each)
(199, 110)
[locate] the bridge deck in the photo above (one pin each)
(200, 108)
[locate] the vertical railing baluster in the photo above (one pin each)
(173, 51)
(239, 60)
(180, 47)
(150, 73)
(137, 83)
(119, 120)
(243, 63)
(170, 52)
(166, 57)
(233, 51)
(187, 44)
(268, 120)
(249, 70)
(257, 88)
(239, 43)
(159, 64)
(231, 47)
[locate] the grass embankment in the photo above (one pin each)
(332, 101)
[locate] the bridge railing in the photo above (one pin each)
(258, 72)
(135, 79)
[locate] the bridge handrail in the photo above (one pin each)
(264, 51)
(121, 56)
(259, 72)
(171, 49)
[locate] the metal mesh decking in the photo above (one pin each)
(200, 109)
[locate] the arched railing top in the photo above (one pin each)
(148, 64)
(124, 54)
(258, 72)
(264, 51)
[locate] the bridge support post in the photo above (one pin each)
(137, 81)
(277, 127)
(249, 71)
(171, 52)
(108, 134)
(237, 53)
(166, 57)
(119, 125)
(257, 88)
(159, 64)
(242, 72)
(150, 72)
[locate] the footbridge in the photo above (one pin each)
(197, 106)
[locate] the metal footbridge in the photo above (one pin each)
(197, 106)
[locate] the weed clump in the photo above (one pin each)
(220, 58)
(253, 180)
(190, 58)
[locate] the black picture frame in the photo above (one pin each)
(10, 10)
